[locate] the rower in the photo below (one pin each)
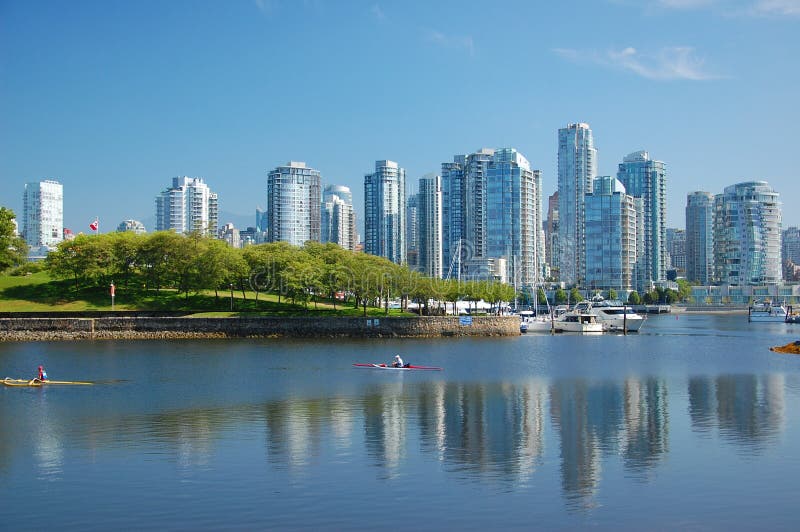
(42, 374)
(398, 362)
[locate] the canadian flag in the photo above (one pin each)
(94, 225)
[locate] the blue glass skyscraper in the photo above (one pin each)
(577, 167)
(646, 178)
(700, 237)
(385, 212)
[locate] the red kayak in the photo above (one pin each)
(388, 366)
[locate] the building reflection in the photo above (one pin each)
(481, 432)
(747, 410)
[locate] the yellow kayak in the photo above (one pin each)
(36, 382)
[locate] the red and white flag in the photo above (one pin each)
(94, 225)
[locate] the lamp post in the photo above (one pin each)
(231, 287)
(112, 288)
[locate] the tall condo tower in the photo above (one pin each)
(293, 204)
(646, 178)
(384, 212)
(429, 234)
(338, 221)
(577, 167)
(513, 217)
(464, 210)
(188, 205)
(700, 237)
(613, 235)
(43, 213)
(747, 234)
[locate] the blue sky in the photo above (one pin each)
(114, 98)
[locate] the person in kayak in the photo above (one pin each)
(42, 374)
(398, 362)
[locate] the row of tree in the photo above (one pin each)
(194, 263)
(13, 250)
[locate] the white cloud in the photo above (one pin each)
(451, 41)
(776, 7)
(670, 63)
(377, 12)
(265, 6)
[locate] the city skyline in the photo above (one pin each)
(159, 99)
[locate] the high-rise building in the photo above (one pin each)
(676, 249)
(131, 226)
(338, 221)
(700, 237)
(790, 253)
(429, 218)
(577, 167)
(646, 178)
(293, 204)
(261, 220)
(613, 236)
(747, 234)
(384, 212)
(552, 252)
(464, 209)
(43, 213)
(513, 216)
(790, 245)
(187, 206)
(412, 231)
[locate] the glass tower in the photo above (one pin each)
(337, 219)
(699, 237)
(613, 236)
(747, 234)
(513, 228)
(577, 167)
(790, 245)
(43, 213)
(429, 234)
(646, 178)
(293, 204)
(187, 206)
(384, 212)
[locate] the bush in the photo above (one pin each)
(27, 268)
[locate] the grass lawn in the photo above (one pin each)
(39, 293)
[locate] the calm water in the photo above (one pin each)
(692, 423)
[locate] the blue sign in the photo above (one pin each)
(465, 320)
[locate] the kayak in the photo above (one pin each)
(36, 382)
(386, 366)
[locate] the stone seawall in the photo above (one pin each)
(33, 329)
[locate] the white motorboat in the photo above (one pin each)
(765, 311)
(613, 314)
(530, 322)
(578, 322)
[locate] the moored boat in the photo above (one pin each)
(578, 322)
(765, 311)
(613, 314)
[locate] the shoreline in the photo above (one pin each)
(160, 328)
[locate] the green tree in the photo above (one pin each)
(612, 294)
(575, 296)
(560, 296)
(634, 298)
(12, 248)
(684, 290)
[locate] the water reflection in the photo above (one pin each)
(476, 431)
(746, 410)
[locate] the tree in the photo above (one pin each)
(560, 296)
(634, 299)
(575, 295)
(12, 248)
(612, 294)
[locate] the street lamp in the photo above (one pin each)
(231, 286)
